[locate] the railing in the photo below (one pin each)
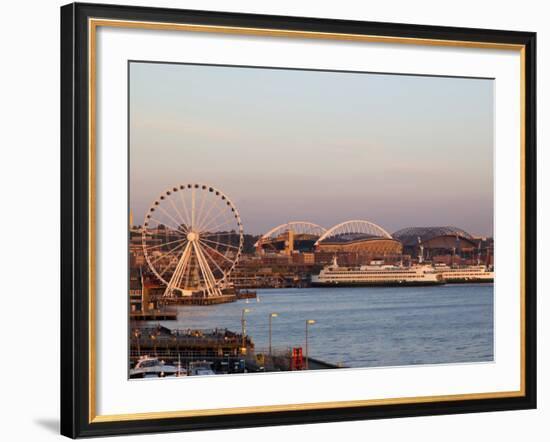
(186, 338)
(184, 354)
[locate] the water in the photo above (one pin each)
(364, 327)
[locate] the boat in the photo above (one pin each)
(150, 367)
(376, 274)
(200, 368)
(465, 274)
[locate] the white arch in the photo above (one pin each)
(355, 226)
(297, 226)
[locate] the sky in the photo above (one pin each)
(318, 146)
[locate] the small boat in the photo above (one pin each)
(201, 368)
(149, 367)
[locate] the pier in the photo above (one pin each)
(221, 349)
(154, 315)
(200, 299)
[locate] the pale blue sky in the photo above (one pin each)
(319, 146)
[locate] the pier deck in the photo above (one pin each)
(221, 348)
(154, 315)
(214, 300)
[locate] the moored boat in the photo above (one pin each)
(201, 368)
(150, 367)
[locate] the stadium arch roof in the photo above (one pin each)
(353, 230)
(299, 227)
(410, 235)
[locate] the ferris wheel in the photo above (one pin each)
(192, 238)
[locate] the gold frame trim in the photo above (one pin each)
(93, 24)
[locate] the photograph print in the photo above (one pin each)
(287, 220)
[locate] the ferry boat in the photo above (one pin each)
(376, 274)
(465, 274)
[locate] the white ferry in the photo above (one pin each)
(465, 274)
(376, 274)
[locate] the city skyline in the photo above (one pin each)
(320, 146)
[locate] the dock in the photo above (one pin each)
(223, 350)
(154, 315)
(200, 299)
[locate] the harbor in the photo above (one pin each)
(360, 326)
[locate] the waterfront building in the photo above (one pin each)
(446, 245)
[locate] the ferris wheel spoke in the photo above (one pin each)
(220, 244)
(175, 229)
(206, 214)
(200, 213)
(220, 212)
(185, 211)
(216, 252)
(212, 234)
(223, 224)
(173, 219)
(164, 244)
(214, 262)
(172, 262)
(218, 222)
(167, 253)
(178, 212)
(193, 201)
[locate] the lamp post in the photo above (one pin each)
(308, 323)
(137, 334)
(154, 339)
(271, 316)
(243, 329)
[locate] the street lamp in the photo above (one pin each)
(137, 334)
(271, 316)
(308, 323)
(154, 339)
(243, 329)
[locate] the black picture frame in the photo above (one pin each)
(75, 220)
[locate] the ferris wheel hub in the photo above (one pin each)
(192, 236)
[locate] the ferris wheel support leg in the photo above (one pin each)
(186, 258)
(214, 290)
(179, 269)
(208, 276)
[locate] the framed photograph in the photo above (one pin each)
(273, 220)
